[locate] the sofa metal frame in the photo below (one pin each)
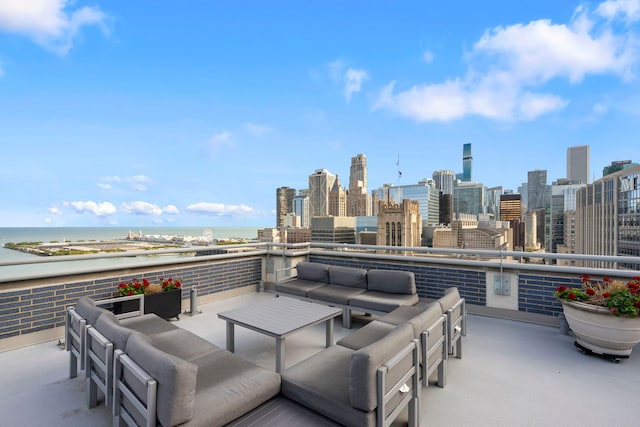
(428, 348)
(457, 328)
(384, 416)
(99, 367)
(124, 366)
(75, 333)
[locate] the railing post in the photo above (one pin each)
(193, 302)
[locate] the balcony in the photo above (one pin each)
(517, 366)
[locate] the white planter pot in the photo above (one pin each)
(600, 331)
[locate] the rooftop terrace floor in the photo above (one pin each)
(511, 374)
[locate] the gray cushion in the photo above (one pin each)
(449, 299)
(109, 326)
(183, 344)
(176, 380)
(366, 335)
(382, 301)
(148, 324)
(425, 319)
(348, 276)
(229, 387)
(87, 308)
(297, 287)
(393, 281)
(313, 271)
(336, 294)
(365, 362)
(401, 314)
(321, 383)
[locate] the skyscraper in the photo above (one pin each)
(467, 158)
(468, 198)
(578, 164)
(337, 199)
(536, 188)
(284, 203)
(444, 180)
(320, 184)
(358, 198)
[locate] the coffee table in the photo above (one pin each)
(279, 318)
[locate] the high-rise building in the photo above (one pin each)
(446, 208)
(424, 192)
(492, 200)
(563, 200)
(399, 224)
(608, 218)
(468, 198)
(358, 198)
(578, 164)
(467, 159)
(320, 184)
(511, 210)
(536, 189)
(337, 199)
(333, 229)
(617, 166)
(301, 207)
(284, 203)
(444, 180)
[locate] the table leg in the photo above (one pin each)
(329, 331)
(279, 354)
(230, 337)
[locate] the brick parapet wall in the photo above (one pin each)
(28, 310)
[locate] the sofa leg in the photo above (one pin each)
(73, 365)
(92, 393)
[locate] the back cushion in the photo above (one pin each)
(425, 319)
(88, 310)
(392, 281)
(176, 380)
(313, 271)
(365, 362)
(109, 326)
(449, 299)
(348, 276)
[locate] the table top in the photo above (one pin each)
(280, 316)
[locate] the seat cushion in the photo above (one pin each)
(402, 314)
(313, 271)
(336, 294)
(382, 301)
(321, 383)
(348, 276)
(392, 281)
(297, 287)
(229, 387)
(148, 324)
(183, 344)
(366, 335)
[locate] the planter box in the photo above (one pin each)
(164, 304)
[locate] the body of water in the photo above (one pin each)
(73, 234)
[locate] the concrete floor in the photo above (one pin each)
(512, 374)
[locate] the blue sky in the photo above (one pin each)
(137, 113)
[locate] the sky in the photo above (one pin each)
(192, 113)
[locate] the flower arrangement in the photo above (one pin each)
(622, 299)
(170, 284)
(134, 287)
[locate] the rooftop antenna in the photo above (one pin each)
(399, 172)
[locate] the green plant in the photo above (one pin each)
(134, 287)
(621, 298)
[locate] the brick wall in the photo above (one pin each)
(25, 311)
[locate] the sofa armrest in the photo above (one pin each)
(133, 313)
(406, 387)
(134, 408)
(99, 367)
(74, 340)
(280, 274)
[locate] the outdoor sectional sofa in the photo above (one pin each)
(371, 291)
(158, 373)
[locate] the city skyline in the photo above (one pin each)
(195, 115)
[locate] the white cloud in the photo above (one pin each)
(171, 210)
(49, 23)
(221, 140)
(54, 210)
(508, 65)
(98, 209)
(257, 130)
(353, 81)
(629, 9)
(105, 186)
(139, 182)
(427, 56)
(140, 208)
(336, 70)
(220, 209)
